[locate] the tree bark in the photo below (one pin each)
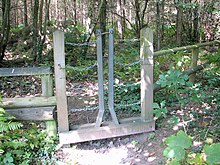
(25, 13)
(102, 21)
(158, 21)
(179, 23)
(4, 37)
(35, 30)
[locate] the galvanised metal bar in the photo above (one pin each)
(111, 76)
(100, 79)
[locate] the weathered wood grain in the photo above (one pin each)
(110, 130)
(27, 71)
(60, 81)
(34, 114)
(24, 102)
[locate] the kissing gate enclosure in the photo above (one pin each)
(101, 129)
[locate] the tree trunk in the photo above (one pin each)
(102, 21)
(119, 19)
(25, 13)
(75, 11)
(179, 23)
(41, 15)
(35, 29)
(158, 25)
(4, 37)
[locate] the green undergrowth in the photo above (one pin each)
(25, 146)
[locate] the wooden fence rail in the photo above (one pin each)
(33, 108)
(195, 54)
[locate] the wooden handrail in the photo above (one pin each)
(26, 71)
(173, 50)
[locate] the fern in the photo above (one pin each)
(6, 124)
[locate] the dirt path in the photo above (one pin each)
(140, 149)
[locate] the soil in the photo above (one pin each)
(140, 149)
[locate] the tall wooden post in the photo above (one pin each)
(60, 81)
(47, 90)
(146, 56)
(195, 55)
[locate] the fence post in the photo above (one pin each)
(60, 81)
(100, 79)
(146, 56)
(111, 76)
(195, 55)
(47, 90)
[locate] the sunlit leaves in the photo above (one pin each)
(177, 145)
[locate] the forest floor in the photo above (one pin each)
(139, 149)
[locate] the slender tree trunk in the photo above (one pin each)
(4, 37)
(179, 23)
(102, 21)
(44, 30)
(41, 15)
(158, 24)
(25, 13)
(119, 19)
(195, 25)
(75, 11)
(35, 30)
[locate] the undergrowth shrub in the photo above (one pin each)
(180, 151)
(23, 147)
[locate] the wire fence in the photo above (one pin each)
(96, 107)
(92, 44)
(73, 68)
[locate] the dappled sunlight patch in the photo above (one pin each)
(151, 159)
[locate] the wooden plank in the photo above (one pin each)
(111, 76)
(195, 55)
(47, 85)
(60, 81)
(146, 56)
(35, 114)
(25, 102)
(189, 47)
(100, 80)
(47, 90)
(89, 133)
(27, 71)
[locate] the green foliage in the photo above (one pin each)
(179, 151)
(159, 110)
(173, 79)
(212, 153)
(5, 124)
(19, 146)
(177, 145)
(17, 29)
(75, 35)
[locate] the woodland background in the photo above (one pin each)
(27, 25)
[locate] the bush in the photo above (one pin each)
(19, 146)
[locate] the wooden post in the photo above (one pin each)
(100, 80)
(146, 56)
(60, 81)
(47, 90)
(111, 76)
(195, 55)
